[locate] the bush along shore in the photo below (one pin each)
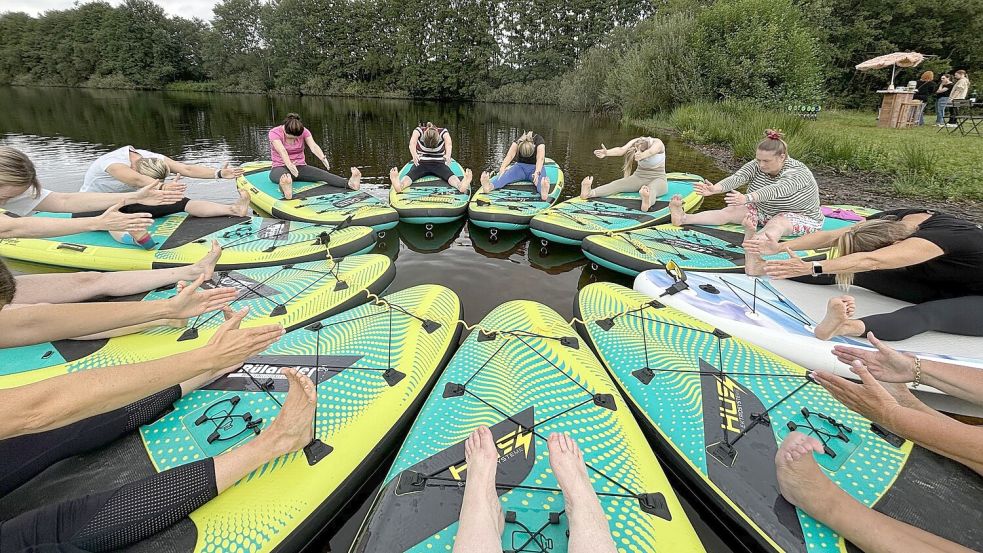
(854, 160)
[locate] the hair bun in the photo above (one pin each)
(293, 116)
(774, 134)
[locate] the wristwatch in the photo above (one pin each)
(817, 268)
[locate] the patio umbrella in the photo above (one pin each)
(904, 59)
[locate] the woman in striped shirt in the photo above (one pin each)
(782, 197)
(430, 148)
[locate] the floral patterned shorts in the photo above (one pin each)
(800, 223)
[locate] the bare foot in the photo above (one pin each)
(205, 265)
(567, 462)
(241, 207)
(754, 264)
(394, 180)
(355, 181)
(838, 313)
(585, 187)
(544, 188)
(800, 480)
(465, 184)
(293, 428)
(481, 507)
(486, 183)
(677, 214)
(286, 186)
(646, 195)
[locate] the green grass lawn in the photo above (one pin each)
(913, 162)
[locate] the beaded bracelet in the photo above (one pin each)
(918, 373)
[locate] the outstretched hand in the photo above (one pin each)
(601, 152)
(792, 267)
(886, 364)
(232, 346)
(761, 244)
(230, 172)
(735, 198)
(869, 398)
(190, 302)
(705, 188)
(158, 194)
(113, 219)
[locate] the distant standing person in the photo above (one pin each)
(287, 144)
(925, 91)
(960, 91)
(431, 150)
(942, 99)
(529, 154)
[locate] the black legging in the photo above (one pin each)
(963, 316)
(154, 210)
(438, 169)
(107, 520)
(306, 173)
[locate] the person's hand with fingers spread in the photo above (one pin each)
(113, 219)
(231, 346)
(869, 398)
(705, 188)
(886, 364)
(601, 152)
(155, 194)
(175, 186)
(762, 244)
(227, 172)
(735, 198)
(190, 302)
(792, 267)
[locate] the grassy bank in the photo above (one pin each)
(915, 162)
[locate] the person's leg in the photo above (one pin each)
(838, 322)
(940, 110)
(513, 173)
(415, 172)
(307, 173)
(804, 485)
(282, 177)
(202, 208)
(729, 214)
(655, 188)
(962, 316)
(589, 530)
(481, 521)
(462, 185)
(114, 519)
(630, 183)
(87, 285)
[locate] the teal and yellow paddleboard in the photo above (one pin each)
(693, 248)
(512, 207)
(525, 374)
(289, 295)
(315, 202)
(429, 199)
(373, 366)
(573, 220)
(719, 407)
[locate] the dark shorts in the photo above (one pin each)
(438, 169)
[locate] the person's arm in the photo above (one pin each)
(509, 156)
(657, 147)
(540, 161)
(448, 148)
(203, 171)
(317, 151)
(908, 252)
(81, 202)
(414, 139)
(57, 402)
(126, 175)
(48, 227)
(34, 324)
(740, 178)
(786, 186)
(280, 149)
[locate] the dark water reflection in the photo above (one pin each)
(65, 129)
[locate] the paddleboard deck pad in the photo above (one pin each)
(694, 247)
(525, 376)
(315, 202)
(373, 366)
(429, 199)
(289, 295)
(718, 408)
(183, 240)
(573, 220)
(512, 206)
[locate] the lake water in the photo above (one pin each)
(63, 130)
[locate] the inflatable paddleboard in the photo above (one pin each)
(289, 295)
(694, 247)
(183, 240)
(429, 199)
(373, 366)
(762, 312)
(525, 379)
(315, 202)
(718, 407)
(573, 220)
(511, 207)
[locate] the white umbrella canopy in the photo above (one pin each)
(904, 59)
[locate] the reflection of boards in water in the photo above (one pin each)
(529, 377)
(553, 258)
(718, 425)
(570, 221)
(315, 202)
(183, 240)
(373, 366)
(387, 243)
(775, 315)
(512, 206)
(499, 244)
(426, 237)
(429, 199)
(694, 247)
(288, 295)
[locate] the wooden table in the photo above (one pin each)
(891, 106)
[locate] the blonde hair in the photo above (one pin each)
(430, 136)
(637, 145)
(153, 167)
(773, 142)
(527, 146)
(16, 169)
(868, 236)
(927, 76)
(8, 285)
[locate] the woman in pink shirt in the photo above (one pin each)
(287, 152)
